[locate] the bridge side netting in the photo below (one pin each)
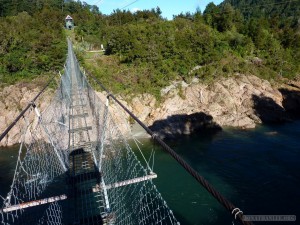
(52, 215)
(42, 160)
(137, 203)
(78, 124)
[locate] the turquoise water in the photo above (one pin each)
(257, 170)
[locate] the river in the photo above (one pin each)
(258, 170)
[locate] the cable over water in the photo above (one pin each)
(76, 167)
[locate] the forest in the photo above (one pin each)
(32, 37)
(144, 51)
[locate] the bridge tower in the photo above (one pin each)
(69, 22)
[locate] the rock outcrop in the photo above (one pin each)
(239, 101)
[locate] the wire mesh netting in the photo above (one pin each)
(76, 166)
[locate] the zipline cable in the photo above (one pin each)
(227, 204)
(25, 110)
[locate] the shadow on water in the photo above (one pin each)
(182, 125)
(268, 110)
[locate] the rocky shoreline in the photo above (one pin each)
(239, 101)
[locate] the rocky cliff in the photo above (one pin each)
(239, 101)
(13, 99)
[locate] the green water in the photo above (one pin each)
(257, 170)
(190, 202)
(8, 160)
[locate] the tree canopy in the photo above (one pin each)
(32, 38)
(220, 42)
(144, 51)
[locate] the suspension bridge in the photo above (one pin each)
(75, 165)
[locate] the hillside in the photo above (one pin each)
(145, 52)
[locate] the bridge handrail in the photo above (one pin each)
(236, 212)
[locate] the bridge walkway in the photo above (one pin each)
(86, 201)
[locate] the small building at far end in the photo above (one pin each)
(69, 22)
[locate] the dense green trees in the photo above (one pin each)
(145, 51)
(30, 45)
(32, 39)
(220, 42)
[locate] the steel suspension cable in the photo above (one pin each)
(217, 195)
(31, 103)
